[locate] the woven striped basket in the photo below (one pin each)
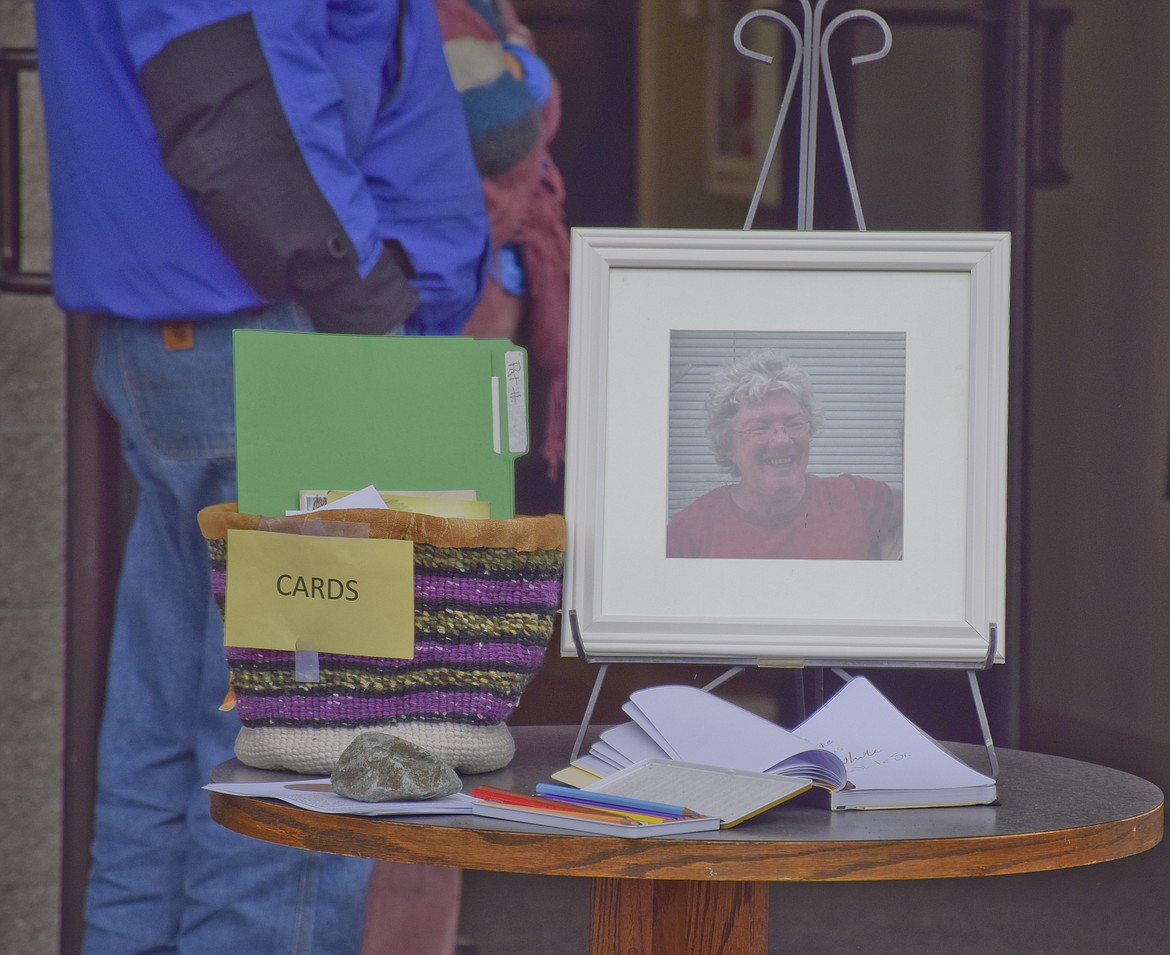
(486, 594)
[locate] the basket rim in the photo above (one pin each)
(519, 533)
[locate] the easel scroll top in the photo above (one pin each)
(809, 60)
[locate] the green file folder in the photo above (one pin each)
(340, 412)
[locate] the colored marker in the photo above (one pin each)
(609, 799)
(638, 815)
(508, 798)
(531, 813)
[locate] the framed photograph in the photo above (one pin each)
(787, 448)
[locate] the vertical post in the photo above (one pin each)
(669, 917)
(808, 118)
(94, 533)
(1008, 206)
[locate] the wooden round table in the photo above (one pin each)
(707, 892)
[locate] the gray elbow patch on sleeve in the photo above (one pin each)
(226, 141)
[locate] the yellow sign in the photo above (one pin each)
(328, 594)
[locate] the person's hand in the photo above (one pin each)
(513, 65)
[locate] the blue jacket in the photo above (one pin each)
(212, 156)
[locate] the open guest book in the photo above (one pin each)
(858, 746)
(890, 761)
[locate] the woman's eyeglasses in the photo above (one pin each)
(793, 427)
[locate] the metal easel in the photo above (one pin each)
(810, 60)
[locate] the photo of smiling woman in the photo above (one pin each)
(762, 420)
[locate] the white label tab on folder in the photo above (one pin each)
(516, 401)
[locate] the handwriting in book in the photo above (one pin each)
(868, 759)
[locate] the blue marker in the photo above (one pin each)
(608, 799)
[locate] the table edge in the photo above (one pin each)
(689, 857)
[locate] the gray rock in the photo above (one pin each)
(378, 767)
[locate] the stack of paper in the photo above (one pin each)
(685, 723)
(318, 795)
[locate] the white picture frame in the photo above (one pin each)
(942, 603)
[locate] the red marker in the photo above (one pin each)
(508, 798)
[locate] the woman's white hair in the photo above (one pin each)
(747, 380)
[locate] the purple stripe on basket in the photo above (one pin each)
(424, 653)
(515, 654)
(481, 591)
(336, 707)
(219, 581)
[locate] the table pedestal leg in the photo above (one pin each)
(667, 917)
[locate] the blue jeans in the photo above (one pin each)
(165, 878)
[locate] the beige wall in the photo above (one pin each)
(672, 66)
